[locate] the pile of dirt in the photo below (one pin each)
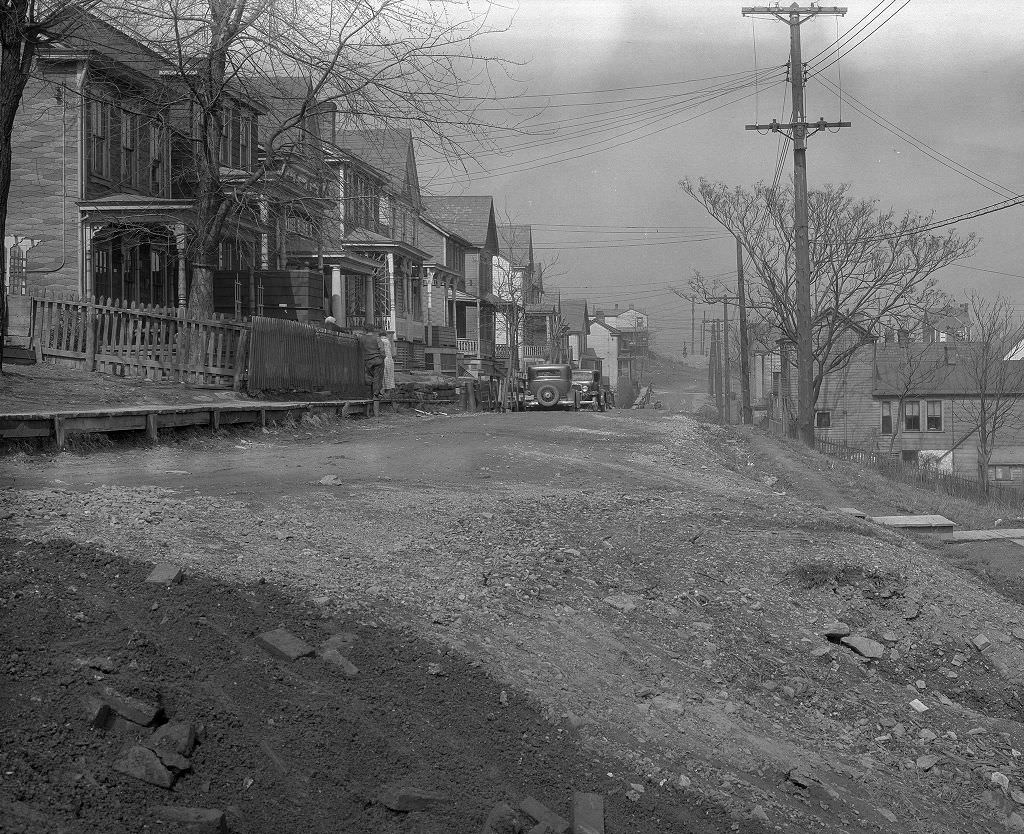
(638, 578)
(308, 745)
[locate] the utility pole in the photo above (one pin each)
(726, 369)
(703, 332)
(800, 130)
(693, 324)
(716, 359)
(747, 412)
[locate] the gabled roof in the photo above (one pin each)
(609, 327)
(471, 218)
(434, 223)
(574, 314)
(516, 241)
(390, 151)
(940, 369)
(83, 30)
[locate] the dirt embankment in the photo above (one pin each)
(664, 592)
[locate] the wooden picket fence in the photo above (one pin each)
(159, 343)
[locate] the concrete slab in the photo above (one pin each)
(982, 535)
(283, 644)
(541, 814)
(853, 511)
(165, 574)
(587, 813)
(913, 521)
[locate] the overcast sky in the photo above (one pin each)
(949, 73)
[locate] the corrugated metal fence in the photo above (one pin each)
(289, 356)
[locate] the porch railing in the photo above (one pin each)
(476, 348)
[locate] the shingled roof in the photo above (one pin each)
(470, 218)
(941, 369)
(517, 244)
(390, 151)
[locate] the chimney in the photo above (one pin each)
(902, 335)
(949, 352)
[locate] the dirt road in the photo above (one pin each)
(615, 570)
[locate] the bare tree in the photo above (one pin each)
(990, 377)
(370, 63)
(25, 26)
(867, 267)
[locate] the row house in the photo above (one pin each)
(519, 285)
(444, 279)
(377, 264)
(92, 206)
(103, 198)
(471, 219)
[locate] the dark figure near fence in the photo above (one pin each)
(373, 361)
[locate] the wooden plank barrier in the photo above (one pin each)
(286, 355)
(159, 343)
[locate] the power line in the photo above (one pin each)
(924, 147)
(851, 47)
(557, 159)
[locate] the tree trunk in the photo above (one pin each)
(984, 456)
(16, 53)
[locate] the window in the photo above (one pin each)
(1002, 473)
(157, 160)
(886, 418)
(934, 415)
(245, 143)
(99, 138)
(912, 416)
(822, 419)
(129, 148)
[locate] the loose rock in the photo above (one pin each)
(282, 644)
(192, 820)
(403, 799)
(864, 646)
(142, 763)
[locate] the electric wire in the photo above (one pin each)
(561, 157)
(821, 68)
(921, 145)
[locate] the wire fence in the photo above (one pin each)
(892, 466)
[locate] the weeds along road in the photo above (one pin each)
(616, 569)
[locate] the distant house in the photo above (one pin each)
(575, 318)
(472, 220)
(918, 401)
(605, 340)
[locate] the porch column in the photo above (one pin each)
(264, 236)
(338, 295)
(371, 311)
(89, 271)
(479, 347)
(393, 312)
(179, 242)
(429, 303)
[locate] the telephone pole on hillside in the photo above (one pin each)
(799, 131)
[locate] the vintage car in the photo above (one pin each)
(549, 386)
(588, 382)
